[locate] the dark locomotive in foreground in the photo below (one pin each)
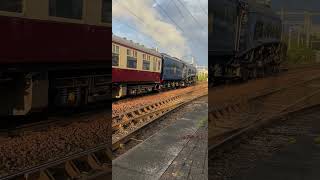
(53, 53)
(138, 70)
(244, 40)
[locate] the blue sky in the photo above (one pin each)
(176, 27)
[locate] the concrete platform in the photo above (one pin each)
(176, 152)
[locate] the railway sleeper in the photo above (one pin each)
(82, 167)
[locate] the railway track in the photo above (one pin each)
(228, 123)
(77, 164)
(229, 94)
(243, 156)
(65, 152)
(87, 164)
(127, 125)
(44, 123)
(231, 123)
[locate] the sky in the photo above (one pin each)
(176, 27)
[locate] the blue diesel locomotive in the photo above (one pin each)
(244, 40)
(176, 73)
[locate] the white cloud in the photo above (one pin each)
(150, 22)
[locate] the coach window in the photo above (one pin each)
(106, 11)
(135, 54)
(154, 63)
(131, 59)
(115, 55)
(11, 5)
(66, 8)
(146, 63)
(159, 65)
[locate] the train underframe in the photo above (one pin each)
(178, 83)
(257, 63)
(120, 90)
(23, 92)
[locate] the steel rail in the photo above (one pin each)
(62, 160)
(147, 115)
(236, 133)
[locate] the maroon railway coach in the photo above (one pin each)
(54, 53)
(136, 69)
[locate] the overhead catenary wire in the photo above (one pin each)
(141, 20)
(192, 39)
(131, 12)
(155, 42)
(180, 12)
(174, 22)
(202, 8)
(191, 14)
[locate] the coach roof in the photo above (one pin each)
(133, 45)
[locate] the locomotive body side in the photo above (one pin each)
(173, 72)
(263, 27)
(255, 48)
(173, 68)
(223, 38)
(191, 77)
(261, 50)
(135, 69)
(176, 73)
(222, 31)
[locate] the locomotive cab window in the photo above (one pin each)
(11, 6)
(72, 9)
(106, 11)
(115, 55)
